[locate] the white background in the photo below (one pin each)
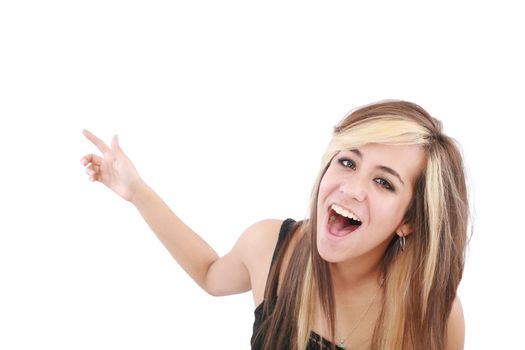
(226, 107)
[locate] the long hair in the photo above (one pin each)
(421, 281)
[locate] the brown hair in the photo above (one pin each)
(420, 282)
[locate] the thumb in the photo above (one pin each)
(114, 144)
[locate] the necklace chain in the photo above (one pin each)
(341, 343)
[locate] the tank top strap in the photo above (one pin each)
(283, 233)
(261, 312)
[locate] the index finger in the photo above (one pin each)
(96, 141)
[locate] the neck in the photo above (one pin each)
(357, 297)
(355, 274)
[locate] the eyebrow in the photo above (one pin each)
(382, 167)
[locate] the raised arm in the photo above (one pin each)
(217, 276)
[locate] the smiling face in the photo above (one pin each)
(363, 198)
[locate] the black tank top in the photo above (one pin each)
(316, 342)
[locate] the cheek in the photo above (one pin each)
(387, 214)
(323, 190)
(327, 184)
(326, 188)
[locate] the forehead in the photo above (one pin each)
(407, 160)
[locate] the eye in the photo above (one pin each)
(347, 163)
(384, 183)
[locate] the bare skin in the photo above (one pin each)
(247, 265)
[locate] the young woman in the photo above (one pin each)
(377, 263)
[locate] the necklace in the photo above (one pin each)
(341, 343)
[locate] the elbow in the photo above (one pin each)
(212, 291)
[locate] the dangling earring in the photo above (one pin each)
(402, 242)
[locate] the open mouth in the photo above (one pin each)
(342, 222)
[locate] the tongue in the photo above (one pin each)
(341, 227)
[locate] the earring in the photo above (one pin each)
(402, 242)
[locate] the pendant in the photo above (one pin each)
(341, 344)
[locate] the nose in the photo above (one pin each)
(356, 189)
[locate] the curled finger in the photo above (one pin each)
(93, 172)
(91, 159)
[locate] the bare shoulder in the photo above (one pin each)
(242, 268)
(256, 246)
(456, 327)
(258, 241)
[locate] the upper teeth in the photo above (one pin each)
(346, 213)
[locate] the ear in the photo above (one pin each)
(404, 229)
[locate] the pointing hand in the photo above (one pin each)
(113, 168)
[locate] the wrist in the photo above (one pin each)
(139, 193)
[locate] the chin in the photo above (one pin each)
(329, 252)
(330, 258)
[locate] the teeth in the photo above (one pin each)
(343, 212)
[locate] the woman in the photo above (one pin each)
(375, 266)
